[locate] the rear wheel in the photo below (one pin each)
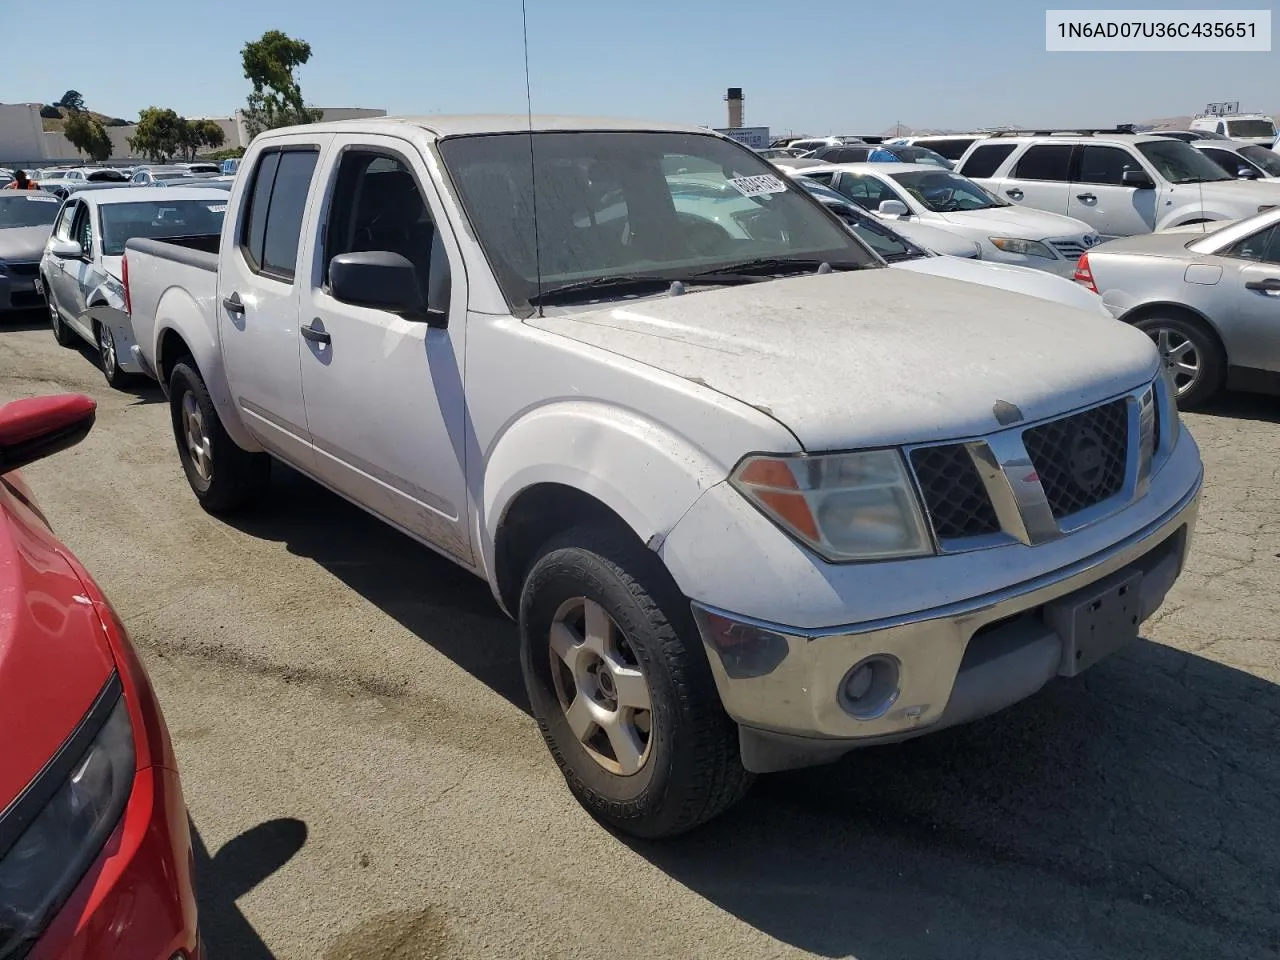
(621, 687)
(222, 475)
(1192, 355)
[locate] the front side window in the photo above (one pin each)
(986, 159)
(865, 190)
(377, 206)
(1106, 165)
(1225, 159)
(82, 233)
(158, 219)
(1268, 161)
(946, 192)
(1045, 161)
(632, 204)
(1179, 163)
(66, 221)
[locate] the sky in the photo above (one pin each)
(854, 67)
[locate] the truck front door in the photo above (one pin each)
(384, 392)
(257, 302)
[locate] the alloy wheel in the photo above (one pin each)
(199, 446)
(1179, 355)
(600, 686)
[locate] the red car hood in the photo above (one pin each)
(54, 657)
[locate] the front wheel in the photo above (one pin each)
(621, 688)
(222, 475)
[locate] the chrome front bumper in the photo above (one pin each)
(956, 663)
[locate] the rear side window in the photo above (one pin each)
(1045, 161)
(277, 204)
(951, 149)
(986, 159)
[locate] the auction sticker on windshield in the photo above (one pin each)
(217, 208)
(758, 186)
(44, 199)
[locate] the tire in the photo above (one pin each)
(225, 477)
(116, 378)
(1184, 343)
(62, 334)
(690, 767)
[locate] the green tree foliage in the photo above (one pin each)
(72, 100)
(276, 101)
(87, 135)
(159, 135)
(50, 112)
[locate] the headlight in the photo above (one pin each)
(1028, 248)
(846, 506)
(50, 856)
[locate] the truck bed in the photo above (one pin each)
(176, 276)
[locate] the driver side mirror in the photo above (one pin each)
(1138, 179)
(37, 427)
(66, 249)
(1246, 173)
(892, 208)
(383, 280)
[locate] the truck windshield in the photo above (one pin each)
(658, 206)
(157, 219)
(1179, 163)
(28, 211)
(1251, 128)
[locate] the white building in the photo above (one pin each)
(21, 133)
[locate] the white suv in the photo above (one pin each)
(1120, 184)
(1249, 127)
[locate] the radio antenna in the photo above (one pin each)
(533, 170)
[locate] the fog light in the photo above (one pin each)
(870, 687)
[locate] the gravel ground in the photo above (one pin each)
(365, 781)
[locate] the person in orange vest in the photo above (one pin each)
(21, 182)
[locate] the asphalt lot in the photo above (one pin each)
(365, 782)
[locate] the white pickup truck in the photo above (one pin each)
(754, 499)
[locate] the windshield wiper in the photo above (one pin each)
(765, 268)
(637, 283)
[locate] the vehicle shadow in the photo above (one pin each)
(144, 390)
(431, 596)
(1243, 406)
(1130, 813)
(24, 320)
(221, 879)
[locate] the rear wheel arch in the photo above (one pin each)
(1170, 309)
(1188, 323)
(170, 351)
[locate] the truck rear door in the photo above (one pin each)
(1040, 178)
(384, 391)
(258, 302)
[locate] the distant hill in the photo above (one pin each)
(51, 123)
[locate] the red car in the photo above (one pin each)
(95, 853)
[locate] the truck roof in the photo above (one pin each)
(472, 124)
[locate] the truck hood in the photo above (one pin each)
(54, 655)
(1021, 222)
(23, 244)
(875, 357)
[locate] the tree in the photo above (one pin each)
(87, 135)
(276, 100)
(72, 100)
(209, 133)
(50, 112)
(159, 134)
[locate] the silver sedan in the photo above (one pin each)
(1211, 302)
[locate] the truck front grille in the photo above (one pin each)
(953, 493)
(1081, 458)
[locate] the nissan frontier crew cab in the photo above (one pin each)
(754, 499)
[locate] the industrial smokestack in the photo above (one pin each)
(735, 99)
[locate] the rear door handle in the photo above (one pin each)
(1086, 197)
(1268, 286)
(314, 335)
(233, 304)
(1015, 193)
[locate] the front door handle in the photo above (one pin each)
(315, 335)
(1086, 197)
(1015, 193)
(1270, 286)
(233, 304)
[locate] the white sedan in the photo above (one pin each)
(910, 193)
(81, 270)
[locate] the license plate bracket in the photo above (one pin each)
(1095, 622)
